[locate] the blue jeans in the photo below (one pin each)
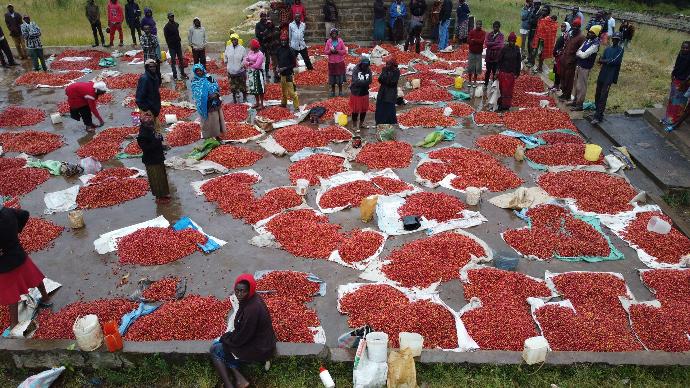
(218, 353)
(443, 34)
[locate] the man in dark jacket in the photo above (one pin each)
(133, 19)
(533, 21)
(148, 96)
(269, 48)
(568, 61)
(608, 75)
(417, 10)
(93, 14)
(286, 59)
(509, 63)
(171, 31)
(444, 23)
(13, 20)
(5, 49)
(330, 15)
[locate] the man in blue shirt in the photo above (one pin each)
(608, 75)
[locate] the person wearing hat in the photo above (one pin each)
(286, 60)
(586, 56)
(153, 158)
(93, 14)
(32, 35)
(359, 92)
(509, 64)
(148, 95)
(256, 79)
(297, 43)
(197, 41)
(148, 20)
(260, 28)
(206, 93)
(171, 31)
(610, 63)
(252, 339)
(115, 17)
(335, 50)
(82, 98)
(133, 19)
(234, 56)
(568, 60)
(13, 20)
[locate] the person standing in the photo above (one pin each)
(568, 60)
(509, 64)
(256, 80)
(82, 98)
(298, 9)
(434, 18)
(545, 37)
(148, 20)
(462, 21)
(287, 59)
(525, 14)
(171, 31)
(297, 43)
(335, 50)
(398, 13)
(575, 14)
(153, 158)
(93, 14)
(359, 92)
(206, 93)
(133, 19)
(387, 96)
(493, 43)
(197, 41)
(32, 35)
(557, 52)
(475, 40)
(13, 20)
(608, 75)
(115, 18)
(234, 56)
(151, 48)
(586, 56)
(610, 26)
(260, 28)
(7, 59)
(330, 15)
(680, 84)
(533, 21)
(627, 31)
(18, 273)
(417, 12)
(269, 45)
(379, 22)
(148, 95)
(414, 35)
(444, 23)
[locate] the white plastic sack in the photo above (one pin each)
(369, 374)
(42, 380)
(61, 201)
(271, 145)
(90, 165)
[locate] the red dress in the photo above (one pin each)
(18, 281)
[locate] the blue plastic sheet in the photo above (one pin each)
(130, 317)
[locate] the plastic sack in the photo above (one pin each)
(107, 62)
(495, 93)
(367, 208)
(369, 374)
(90, 165)
(458, 95)
(401, 369)
(340, 118)
(385, 132)
(42, 380)
(478, 93)
(350, 340)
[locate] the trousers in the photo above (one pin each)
(580, 85)
(600, 97)
(38, 59)
(113, 28)
(97, 30)
(443, 34)
(287, 88)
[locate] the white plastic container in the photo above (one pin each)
(167, 77)
(302, 186)
(88, 332)
(55, 118)
(474, 195)
(658, 225)
(535, 350)
(416, 83)
(412, 341)
(326, 378)
(377, 346)
(170, 118)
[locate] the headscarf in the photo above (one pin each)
(567, 29)
(254, 44)
(392, 62)
(249, 278)
(364, 59)
(148, 20)
(512, 37)
(201, 89)
(596, 29)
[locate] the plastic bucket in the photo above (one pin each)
(658, 225)
(377, 346)
(113, 339)
(473, 196)
(416, 83)
(412, 341)
(302, 185)
(592, 152)
(535, 350)
(88, 332)
(459, 81)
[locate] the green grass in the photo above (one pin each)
(636, 6)
(303, 372)
(677, 198)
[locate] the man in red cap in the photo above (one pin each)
(568, 60)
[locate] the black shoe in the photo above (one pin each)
(184, 76)
(595, 121)
(576, 109)
(564, 98)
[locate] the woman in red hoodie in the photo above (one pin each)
(298, 8)
(115, 17)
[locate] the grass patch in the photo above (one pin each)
(677, 198)
(303, 372)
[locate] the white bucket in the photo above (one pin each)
(170, 118)
(302, 186)
(412, 341)
(474, 195)
(55, 118)
(535, 350)
(167, 77)
(377, 346)
(658, 225)
(88, 332)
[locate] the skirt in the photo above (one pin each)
(359, 104)
(214, 125)
(18, 281)
(676, 100)
(158, 180)
(256, 82)
(385, 113)
(461, 30)
(238, 82)
(506, 84)
(379, 29)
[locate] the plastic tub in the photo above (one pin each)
(535, 350)
(412, 341)
(377, 346)
(88, 332)
(473, 196)
(55, 118)
(658, 225)
(592, 152)
(459, 81)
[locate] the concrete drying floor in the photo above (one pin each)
(73, 261)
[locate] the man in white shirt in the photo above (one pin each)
(297, 43)
(234, 55)
(197, 40)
